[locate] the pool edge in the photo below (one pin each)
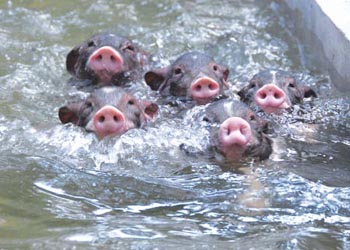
(325, 30)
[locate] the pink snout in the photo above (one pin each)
(105, 62)
(271, 98)
(109, 121)
(235, 131)
(204, 89)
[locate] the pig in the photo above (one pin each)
(274, 90)
(106, 59)
(108, 111)
(240, 132)
(193, 76)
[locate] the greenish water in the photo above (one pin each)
(61, 188)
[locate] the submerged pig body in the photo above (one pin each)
(108, 111)
(240, 133)
(106, 59)
(194, 76)
(274, 90)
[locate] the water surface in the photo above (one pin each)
(60, 187)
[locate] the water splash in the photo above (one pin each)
(141, 186)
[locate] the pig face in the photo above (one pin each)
(274, 90)
(240, 133)
(193, 76)
(106, 59)
(108, 111)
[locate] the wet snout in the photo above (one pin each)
(235, 131)
(204, 89)
(271, 98)
(109, 121)
(105, 62)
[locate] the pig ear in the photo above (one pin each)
(242, 94)
(69, 113)
(308, 92)
(156, 77)
(245, 92)
(226, 72)
(150, 109)
(266, 148)
(71, 60)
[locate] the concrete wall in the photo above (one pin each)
(324, 25)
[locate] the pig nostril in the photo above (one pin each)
(101, 119)
(99, 57)
(278, 95)
(198, 87)
(211, 87)
(263, 95)
(115, 118)
(112, 58)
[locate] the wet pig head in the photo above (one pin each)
(274, 90)
(106, 59)
(108, 111)
(239, 132)
(193, 75)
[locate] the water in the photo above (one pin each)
(62, 188)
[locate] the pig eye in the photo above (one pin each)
(215, 67)
(291, 85)
(253, 86)
(91, 44)
(130, 47)
(88, 104)
(177, 71)
(206, 119)
(131, 102)
(252, 117)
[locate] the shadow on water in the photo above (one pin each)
(60, 187)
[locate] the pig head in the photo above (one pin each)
(239, 133)
(193, 75)
(108, 111)
(106, 59)
(274, 90)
